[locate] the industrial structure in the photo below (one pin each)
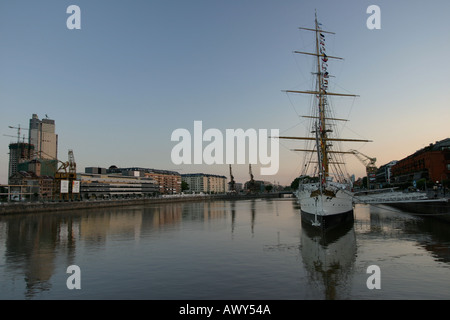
(232, 183)
(369, 164)
(33, 165)
(66, 186)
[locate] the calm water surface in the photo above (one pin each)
(247, 249)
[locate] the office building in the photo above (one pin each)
(42, 135)
(169, 182)
(110, 185)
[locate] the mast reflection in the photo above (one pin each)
(329, 259)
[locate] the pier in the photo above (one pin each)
(418, 203)
(35, 207)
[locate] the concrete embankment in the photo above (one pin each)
(32, 207)
(439, 210)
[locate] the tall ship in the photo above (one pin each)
(325, 188)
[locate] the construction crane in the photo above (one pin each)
(369, 163)
(18, 133)
(232, 183)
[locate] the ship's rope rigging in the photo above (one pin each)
(323, 120)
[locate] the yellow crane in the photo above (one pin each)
(64, 178)
(369, 163)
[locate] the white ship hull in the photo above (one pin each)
(332, 207)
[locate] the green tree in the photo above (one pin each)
(296, 182)
(184, 186)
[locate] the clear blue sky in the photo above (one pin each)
(138, 70)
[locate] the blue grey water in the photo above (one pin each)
(245, 249)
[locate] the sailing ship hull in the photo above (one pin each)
(325, 211)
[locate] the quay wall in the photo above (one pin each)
(438, 210)
(33, 207)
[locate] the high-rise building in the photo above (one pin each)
(18, 153)
(42, 135)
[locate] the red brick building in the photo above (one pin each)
(431, 163)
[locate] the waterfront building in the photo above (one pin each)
(96, 170)
(42, 135)
(206, 183)
(18, 153)
(238, 186)
(431, 164)
(110, 185)
(28, 185)
(169, 182)
(383, 176)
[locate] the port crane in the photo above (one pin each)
(252, 186)
(67, 171)
(232, 183)
(369, 164)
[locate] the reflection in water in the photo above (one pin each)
(430, 233)
(253, 210)
(217, 249)
(438, 239)
(30, 248)
(329, 259)
(233, 215)
(33, 242)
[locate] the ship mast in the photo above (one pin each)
(321, 93)
(322, 129)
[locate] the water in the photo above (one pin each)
(239, 250)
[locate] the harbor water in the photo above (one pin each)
(254, 249)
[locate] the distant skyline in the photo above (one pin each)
(138, 70)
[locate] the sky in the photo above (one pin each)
(137, 70)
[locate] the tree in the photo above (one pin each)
(296, 182)
(184, 186)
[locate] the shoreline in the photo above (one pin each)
(35, 207)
